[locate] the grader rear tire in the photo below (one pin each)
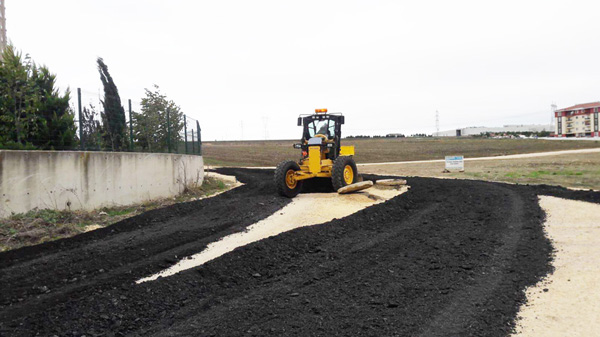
(285, 181)
(344, 172)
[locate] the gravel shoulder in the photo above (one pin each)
(565, 303)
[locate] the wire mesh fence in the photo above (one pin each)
(190, 140)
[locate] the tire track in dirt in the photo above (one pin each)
(456, 317)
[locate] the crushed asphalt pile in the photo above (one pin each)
(449, 257)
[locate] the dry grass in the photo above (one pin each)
(569, 170)
(40, 226)
(269, 153)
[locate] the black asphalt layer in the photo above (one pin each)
(447, 258)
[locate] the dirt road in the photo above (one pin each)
(510, 156)
(566, 302)
(449, 257)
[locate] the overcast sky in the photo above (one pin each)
(387, 65)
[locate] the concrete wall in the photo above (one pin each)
(89, 180)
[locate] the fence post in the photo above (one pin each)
(81, 144)
(199, 138)
(130, 129)
(168, 132)
(185, 132)
(193, 145)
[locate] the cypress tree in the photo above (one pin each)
(113, 116)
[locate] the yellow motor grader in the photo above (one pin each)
(322, 155)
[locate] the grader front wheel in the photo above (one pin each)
(285, 179)
(344, 172)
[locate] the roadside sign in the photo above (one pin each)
(455, 163)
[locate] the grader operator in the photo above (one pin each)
(322, 155)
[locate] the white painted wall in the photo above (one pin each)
(90, 180)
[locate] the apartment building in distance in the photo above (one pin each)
(580, 120)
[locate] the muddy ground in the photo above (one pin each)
(449, 257)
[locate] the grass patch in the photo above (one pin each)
(537, 174)
(39, 226)
(212, 185)
(578, 170)
(118, 212)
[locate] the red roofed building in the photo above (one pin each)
(580, 120)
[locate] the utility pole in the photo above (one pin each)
(437, 123)
(3, 39)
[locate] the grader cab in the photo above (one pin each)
(323, 156)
